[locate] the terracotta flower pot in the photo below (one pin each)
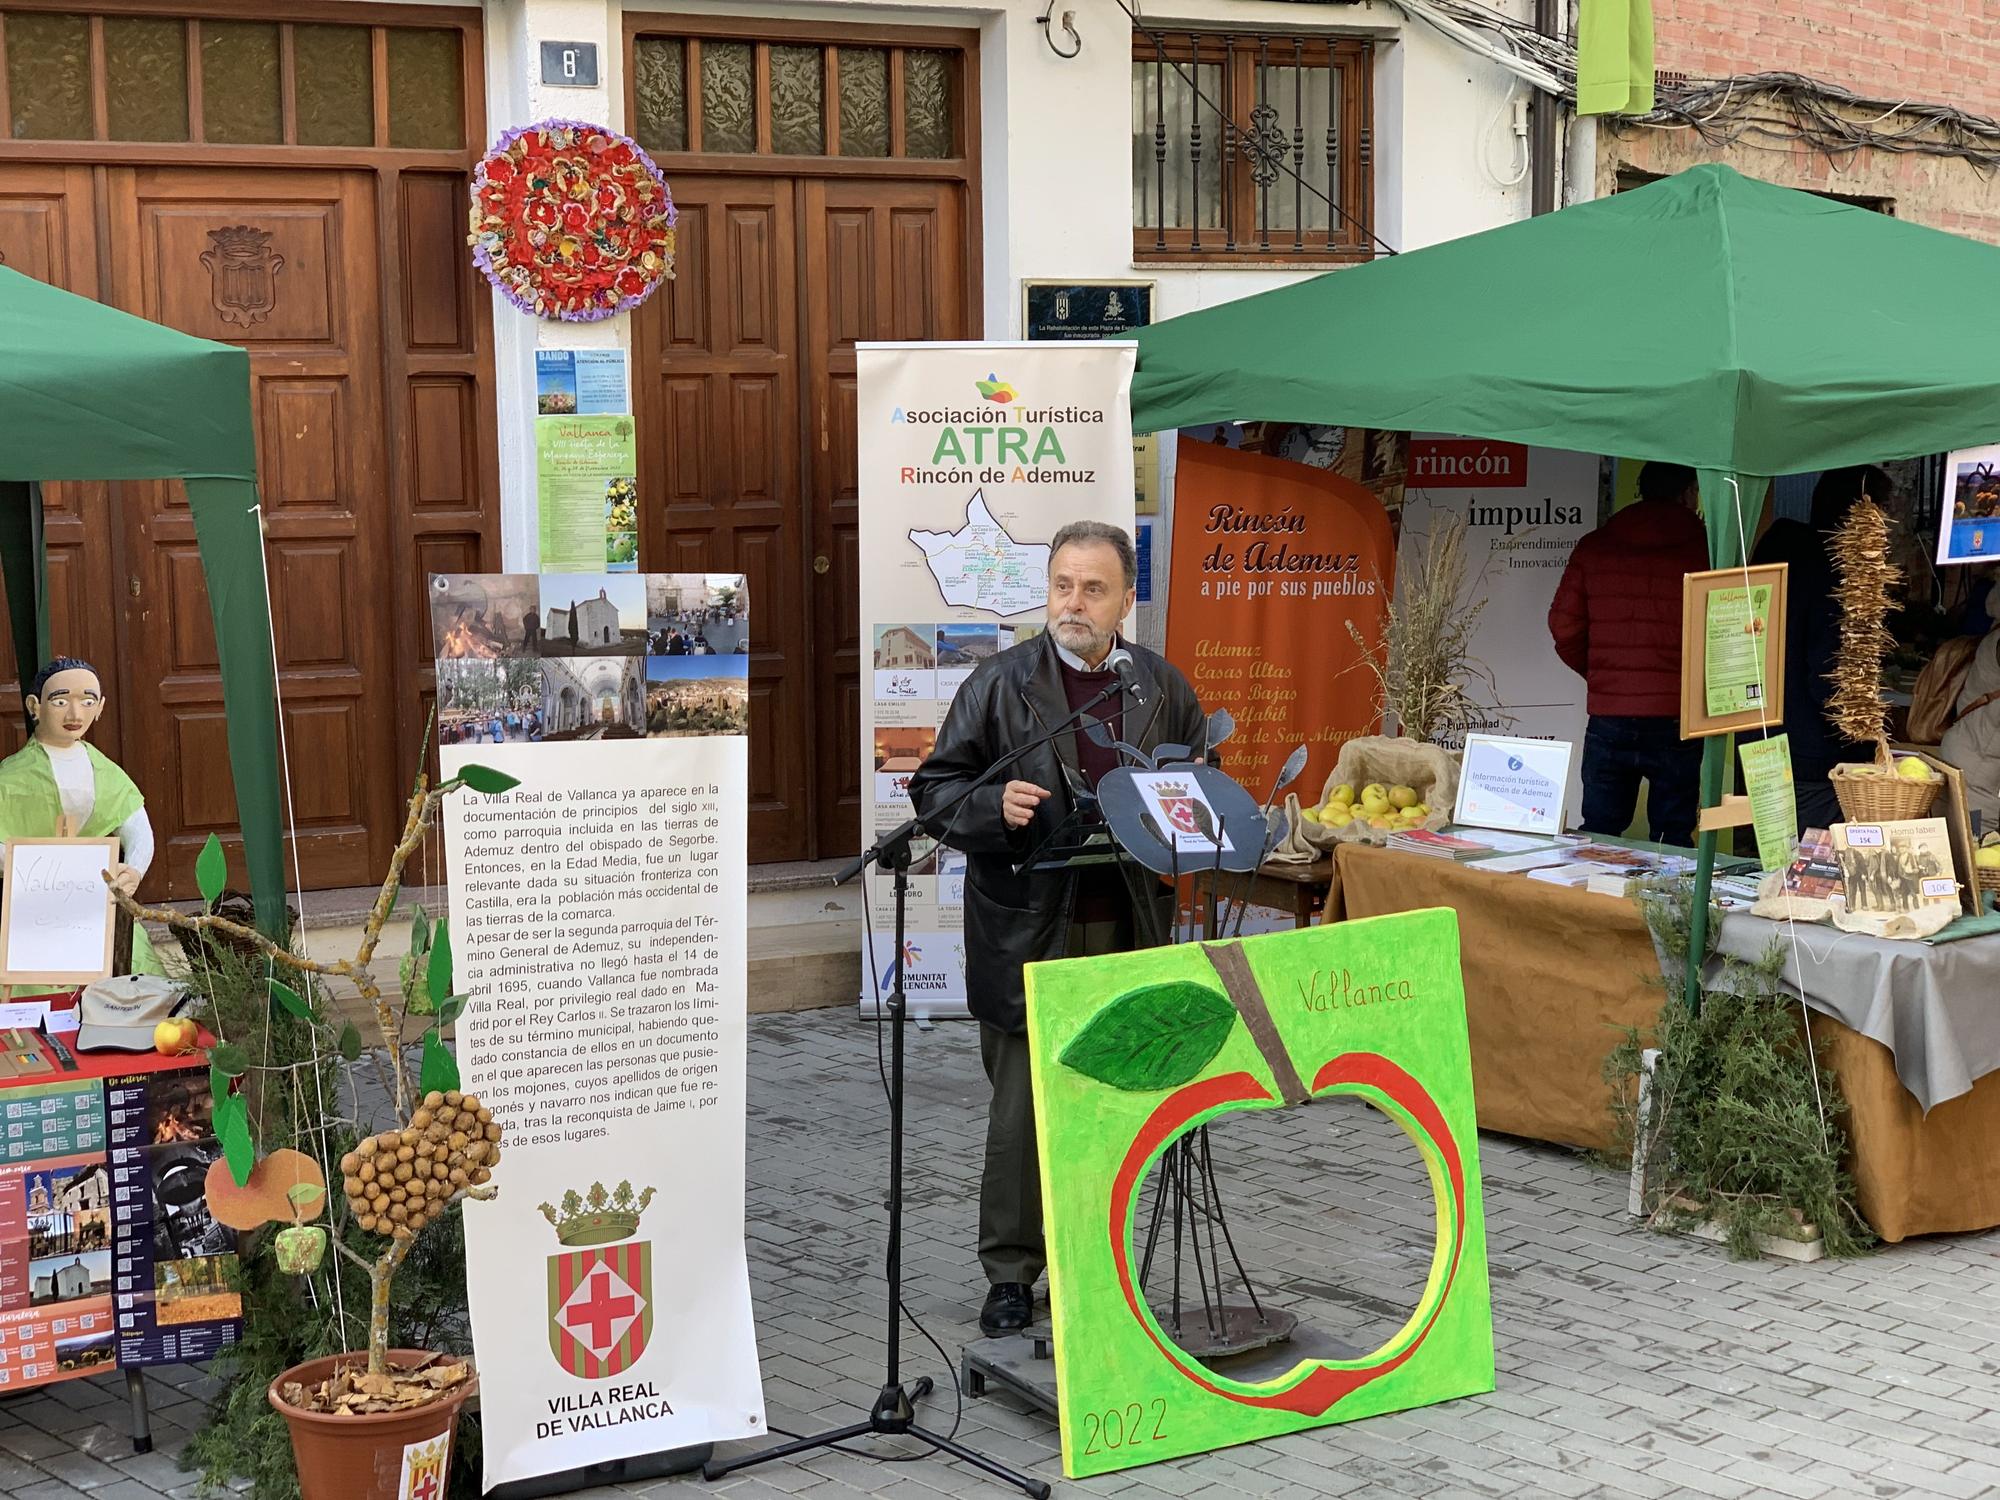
(387, 1456)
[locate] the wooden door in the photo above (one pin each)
(883, 263)
(284, 263)
(48, 230)
(718, 349)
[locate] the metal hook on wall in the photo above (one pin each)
(1068, 25)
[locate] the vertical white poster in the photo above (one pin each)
(972, 456)
(598, 926)
(1524, 511)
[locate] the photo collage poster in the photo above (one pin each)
(599, 921)
(972, 457)
(524, 658)
(108, 1253)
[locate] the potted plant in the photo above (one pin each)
(364, 1422)
(1891, 788)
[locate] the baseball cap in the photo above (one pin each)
(119, 1014)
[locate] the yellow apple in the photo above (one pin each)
(175, 1037)
(1912, 769)
(1402, 796)
(1987, 858)
(1310, 814)
(1343, 795)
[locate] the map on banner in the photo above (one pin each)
(982, 566)
(972, 457)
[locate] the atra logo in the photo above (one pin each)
(993, 388)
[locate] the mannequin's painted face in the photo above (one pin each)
(68, 707)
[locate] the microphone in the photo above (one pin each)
(1120, 661)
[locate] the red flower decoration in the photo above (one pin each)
(571, 221)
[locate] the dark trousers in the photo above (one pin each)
(1618, 753)
(1010, 1188)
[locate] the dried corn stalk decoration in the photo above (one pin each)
(1423, 665)
(1860, 549)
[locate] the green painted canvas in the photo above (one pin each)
(1134, 1051)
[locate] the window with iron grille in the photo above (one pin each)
(1250, 146)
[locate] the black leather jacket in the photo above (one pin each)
(1009, 700)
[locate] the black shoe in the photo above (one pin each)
(1009, 1308)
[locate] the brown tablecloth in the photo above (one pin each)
(1552, 979)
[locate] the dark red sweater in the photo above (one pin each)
(1616, 619)
(1100, 893)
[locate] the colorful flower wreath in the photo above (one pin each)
(571, 221)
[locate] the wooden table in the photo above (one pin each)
(1554, 976)
(1299, 889)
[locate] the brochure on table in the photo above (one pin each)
(1512, 784)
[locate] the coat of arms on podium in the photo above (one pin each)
(601, 1286)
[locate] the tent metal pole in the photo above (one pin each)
(1714, 755)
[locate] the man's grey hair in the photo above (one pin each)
(1114, 537)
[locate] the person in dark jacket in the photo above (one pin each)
(1812, 636)
(1015, 917)
(1616, 621)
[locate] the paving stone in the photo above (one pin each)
(1632, 1366)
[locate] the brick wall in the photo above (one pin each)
(1947, 50)
(1929, 50)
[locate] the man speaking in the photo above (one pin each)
(1010, 701)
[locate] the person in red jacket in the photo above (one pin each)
(1616, 621)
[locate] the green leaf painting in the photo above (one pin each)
(486, 779)
(437, 976)
(1157, 1037)
(440, 1070)
(350, 1043)
(211, 870)
(291, 1000)
(420, 929)
(232, 1128)
(452, 1008)
(228, 1059)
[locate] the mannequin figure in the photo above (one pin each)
(57, 785)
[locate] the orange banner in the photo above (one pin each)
(1271, 561)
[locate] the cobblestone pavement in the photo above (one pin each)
(1630, 1364)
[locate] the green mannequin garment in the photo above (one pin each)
(30, 808)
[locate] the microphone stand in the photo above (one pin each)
(893, 1413)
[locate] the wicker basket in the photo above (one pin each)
(1989, 880)
(1876, 794)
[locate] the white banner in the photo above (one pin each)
(972, 456)
(598, 925)
(1524, 511)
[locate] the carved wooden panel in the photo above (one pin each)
(717, 382)
(48, 231)
(885, 263)
(284, 262)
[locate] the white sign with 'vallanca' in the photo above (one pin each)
(56, 922)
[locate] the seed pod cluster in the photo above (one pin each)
(400, 1180)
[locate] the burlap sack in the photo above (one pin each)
(1429, 770)
(1303, 842)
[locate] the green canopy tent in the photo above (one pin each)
(1710, 320)
(91, 393)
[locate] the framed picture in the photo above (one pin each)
(1732, 650)
(1512, 785)
(57, 922)
(1969, 507)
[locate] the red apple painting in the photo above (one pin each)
(1133, 1052)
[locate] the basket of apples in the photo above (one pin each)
(1381, 786)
